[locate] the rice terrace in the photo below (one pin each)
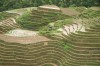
(49, 32)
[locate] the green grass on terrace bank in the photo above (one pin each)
(36, 19)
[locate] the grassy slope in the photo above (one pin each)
(37, 19)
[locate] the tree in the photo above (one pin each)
(12, 4)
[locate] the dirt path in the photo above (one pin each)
(23, 40)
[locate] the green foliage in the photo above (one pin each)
(60, 23)
(13, 4)
(38, 19)
(66, 47)
(50, 30)
(46, 31)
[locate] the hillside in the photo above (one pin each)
(48, 36)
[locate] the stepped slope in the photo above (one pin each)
(77, 49)
(80, 49)
(86, 45)
(8, 24)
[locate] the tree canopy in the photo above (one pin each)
(13, 4)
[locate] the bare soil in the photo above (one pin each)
(23, 40)
(70, 12)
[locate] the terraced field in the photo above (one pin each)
(87, 45)
(79, 49)
(8, 24)
(78, 45)
(33, 20)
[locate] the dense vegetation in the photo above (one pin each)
(49, 32)
(36, 19)
(12, 4)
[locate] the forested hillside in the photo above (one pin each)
(12, 4)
